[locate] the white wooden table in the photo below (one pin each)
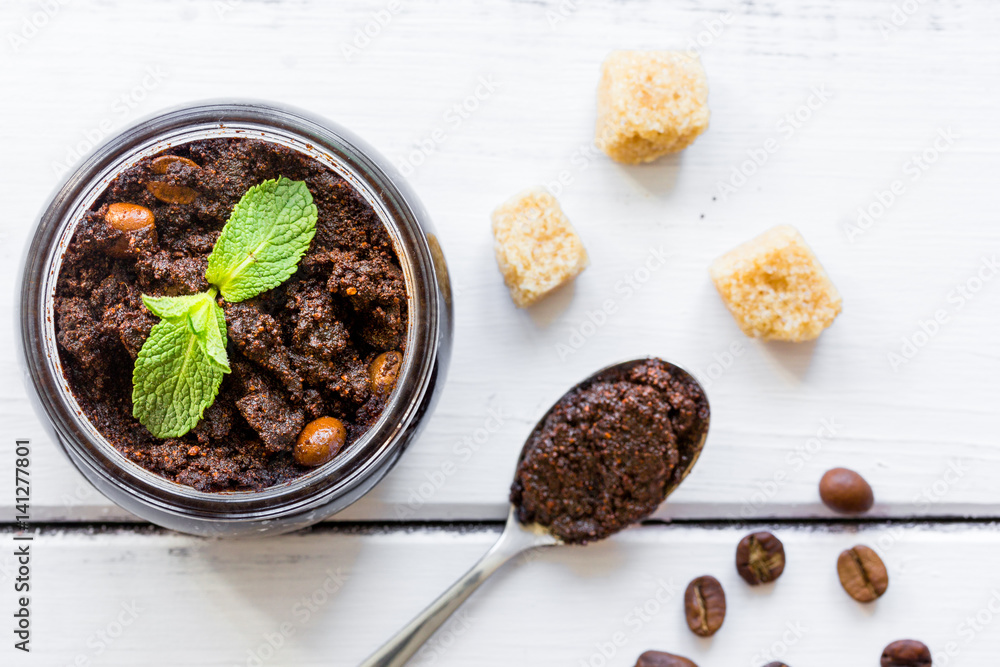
(859, 102)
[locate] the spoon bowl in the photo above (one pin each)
(518, 537)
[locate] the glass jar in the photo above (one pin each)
(320, 492)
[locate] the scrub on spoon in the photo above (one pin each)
(602, 458)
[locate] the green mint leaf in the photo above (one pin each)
(222, 339)
(174, 379)
(202, 314)
(172, 307)
(260, 246)
(180, 366)
(208, 323)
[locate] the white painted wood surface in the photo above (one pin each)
(884, 77)
(889, 96)
(329, 599)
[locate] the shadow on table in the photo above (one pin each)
(658, 178)
(590, 561)
(794, 359)
(548, 310)
(280, 587)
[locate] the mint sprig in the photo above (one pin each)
(181, 364)
(266, 236)
(174, 380)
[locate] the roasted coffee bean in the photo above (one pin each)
(775, 664)
(129, 217)
(906, 653)
(170, 193)
(661, 659)
(846, 491)
(862, 573)
(705, 606)
(383, 371)
(319, 441)
(136, 227)
(162, 164)
(760, 558)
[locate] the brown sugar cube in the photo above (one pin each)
(537, 248)
(650, 103)
(776, 288)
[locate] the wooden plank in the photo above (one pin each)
(97, 65)
(329, 598)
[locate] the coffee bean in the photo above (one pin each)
(170, 193)
(775, 664)
(705, 606)
(862, 573)
(906, 653)
(661, 659)
(128, 217)
(319, 441)
(383, 371)
(760, 558)
(845, 491)
(133, 229)
(162, 164)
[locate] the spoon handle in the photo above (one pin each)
(398, 650)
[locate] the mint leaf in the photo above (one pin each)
(208, 323)
(202, 314)
(174, 379)
(217, 347)
(260, 246)
(180, 366)
(172, 307)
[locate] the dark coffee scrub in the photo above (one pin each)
(608, 453)
(230, 314)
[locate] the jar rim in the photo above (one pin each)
(369, 174)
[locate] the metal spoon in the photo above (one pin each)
(516, 538)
